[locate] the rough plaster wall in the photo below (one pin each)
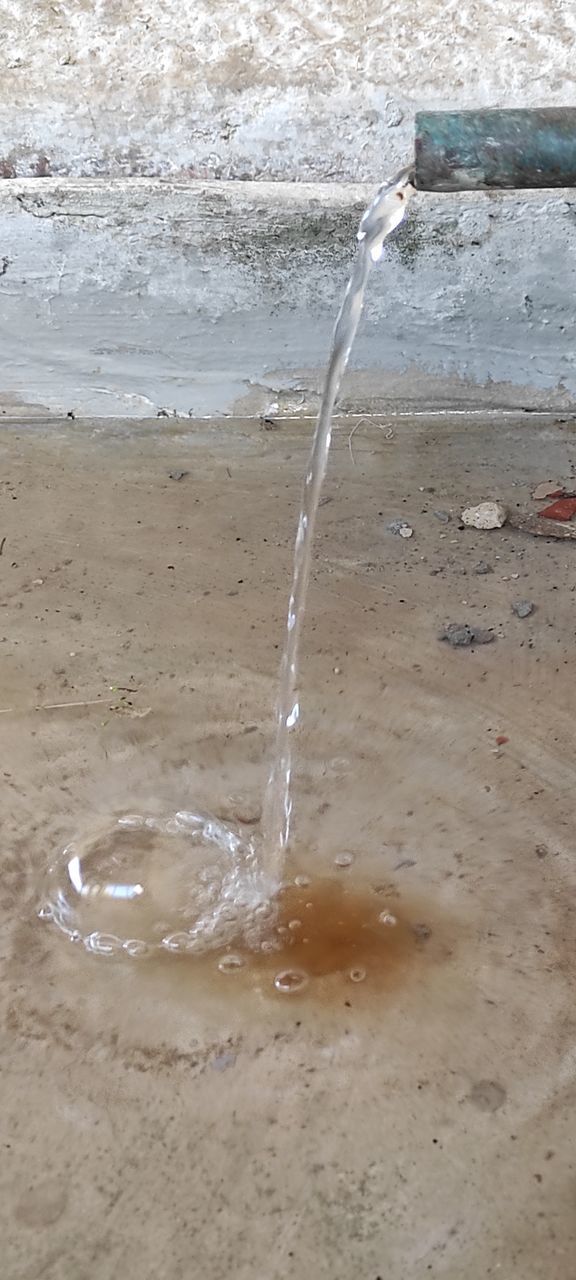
(240, 88)
(136, 296)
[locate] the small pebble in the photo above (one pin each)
(483, 567)
(487, 515)
(457, 634)
(523, 608)
(443, 516)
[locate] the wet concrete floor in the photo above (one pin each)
(163, 1118)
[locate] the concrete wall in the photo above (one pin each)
(303, 89)
(137, 296)
(203, 286)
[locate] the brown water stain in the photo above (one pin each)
(327, 928)
(359, 945)
(338, 936)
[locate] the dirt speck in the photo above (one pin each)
(487, 1095)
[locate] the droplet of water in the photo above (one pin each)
(230, 963)
(357, 975)
(388, 919)
(344, 860)
(290, 981)
(294, 925)
(45, 912)
(302, 881)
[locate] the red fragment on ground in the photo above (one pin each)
(501, 740)
(563, 509)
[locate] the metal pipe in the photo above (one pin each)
(490, 150)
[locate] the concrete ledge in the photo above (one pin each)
(138, 296)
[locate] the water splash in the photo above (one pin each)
(185, 883)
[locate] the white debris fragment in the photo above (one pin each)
(400, 526)
(487, 515)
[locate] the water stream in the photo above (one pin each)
(381, 218)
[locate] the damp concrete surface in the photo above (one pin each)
(162, 1118)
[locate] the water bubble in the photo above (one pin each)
(230, 963)
(302, 881)
(135, 947)
(270, 945)
(357, 975)
(388, 919)
(291, 981)
(103, 944)
(177, 942)
(229, 913)
(293, 925)
(344, 860)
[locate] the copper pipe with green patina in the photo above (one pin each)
(493, 150)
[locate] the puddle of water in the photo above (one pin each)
(319, 938)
